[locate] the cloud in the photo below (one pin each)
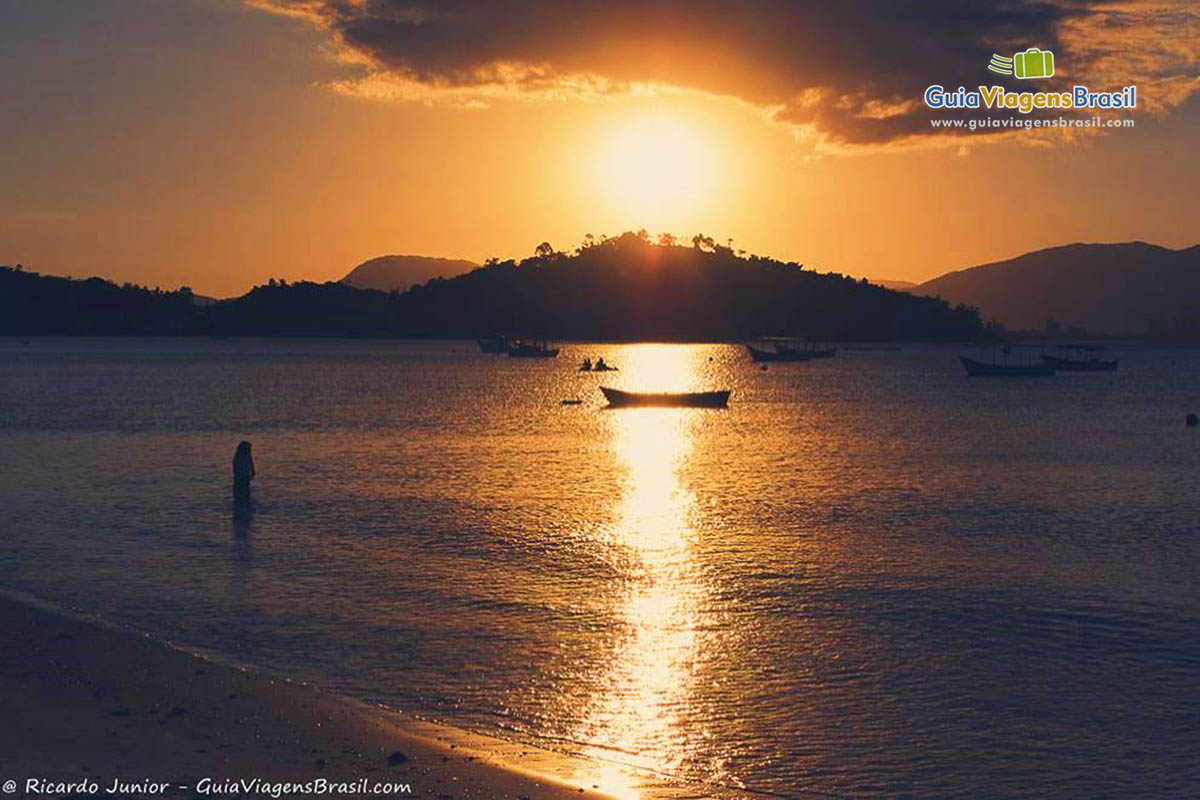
(848, 74)
(1154, 45)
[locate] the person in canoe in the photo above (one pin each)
(586, 366)
(601, 366)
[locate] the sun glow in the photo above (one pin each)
(656, 170)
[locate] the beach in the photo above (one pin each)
(91, 709)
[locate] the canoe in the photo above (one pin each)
(619, 399)
(980, 369)
(1081, 365)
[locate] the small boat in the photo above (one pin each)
(788, 348)
(810, 350)
(979, 369)
(533, 349)
(1081, 358)
(619, 399)
(495, 345)
(777, 352)
(572, 402)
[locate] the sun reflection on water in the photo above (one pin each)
(637, 719)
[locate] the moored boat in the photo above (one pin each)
(494, 345)
(1081, 358)
(620, 399)
(532, 349)
(787, 348)
(979, 369)
(1081, 365)
(822, 352)
(809, 350)
(777, 353)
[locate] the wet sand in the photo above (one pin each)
(82, 700)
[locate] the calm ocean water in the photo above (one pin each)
(869, 576)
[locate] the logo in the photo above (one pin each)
(1033, 63)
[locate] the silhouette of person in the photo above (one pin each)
(600, 363)
(587, 364)
(243, 472)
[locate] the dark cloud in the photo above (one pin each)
(851, 72)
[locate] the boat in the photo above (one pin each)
(1081, 365)
(532, 349)
(788, 348)
(618, 399)
(979, 369)
(809, 350)
(760, 355)
(495, 345)
(774, 349)
(1081, 358)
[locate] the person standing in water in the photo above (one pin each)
(243, 472)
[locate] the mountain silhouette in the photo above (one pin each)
(1132, 288)
(392, 273)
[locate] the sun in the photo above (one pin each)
(656, 171)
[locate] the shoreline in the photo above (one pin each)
(86, 700)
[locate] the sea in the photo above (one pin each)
(869, 576)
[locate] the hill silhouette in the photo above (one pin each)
(389, 273)
(629, 288)
(1132, 288)
(622, 288)
(41, 304)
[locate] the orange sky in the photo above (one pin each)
(204, 142)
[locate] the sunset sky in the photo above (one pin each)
(217, 143)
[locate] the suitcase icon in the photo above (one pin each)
(1033, 63)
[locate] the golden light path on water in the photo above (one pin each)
(636, 718)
